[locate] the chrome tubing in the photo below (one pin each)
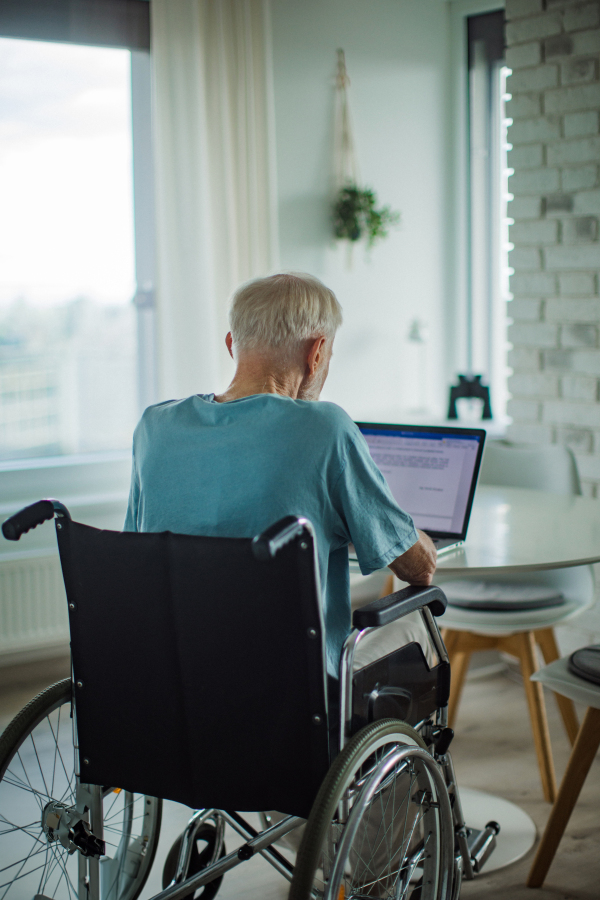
(346, 672)
(366, 795)
(97, 828)
(460, 829)
(187, 843)
(434, 634)
(211, 873)
(266, 853)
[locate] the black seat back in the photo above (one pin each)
(201, 668)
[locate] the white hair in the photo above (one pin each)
(282, 310)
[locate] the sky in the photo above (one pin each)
(66, 205)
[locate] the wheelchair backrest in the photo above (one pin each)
(198, 669)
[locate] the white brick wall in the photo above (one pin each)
(553, 50)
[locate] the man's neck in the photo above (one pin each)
(255, 379)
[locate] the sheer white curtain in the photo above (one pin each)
(216, 209)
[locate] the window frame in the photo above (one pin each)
(460, 324)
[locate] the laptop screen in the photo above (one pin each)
(432, 472)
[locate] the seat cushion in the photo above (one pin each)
(485, 595)
(586, 663)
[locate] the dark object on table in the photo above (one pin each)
(470, 386)
(585, 663)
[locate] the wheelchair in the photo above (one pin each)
(199, 675)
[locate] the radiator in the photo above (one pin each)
(33, 606)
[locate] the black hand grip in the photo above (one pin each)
(27, 518)
(266, 545)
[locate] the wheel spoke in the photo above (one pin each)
(396, 844)
(68, 791)
(35, 772)
(19, 875)
(29, 856)
(14, 827)
(61, 862)
(51, 866)
(57, 750)
(9, 884)
(21, 785)
(39, 764)
(25, 772)
(39, 890)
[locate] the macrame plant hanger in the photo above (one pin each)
(355, 211)
(345, 161)
(346, 164)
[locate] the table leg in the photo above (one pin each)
(582, 756)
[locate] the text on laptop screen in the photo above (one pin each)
(429, 474)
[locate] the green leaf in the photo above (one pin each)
(355, 215)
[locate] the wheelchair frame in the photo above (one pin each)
(471, 850)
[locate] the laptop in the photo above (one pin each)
(432, 473)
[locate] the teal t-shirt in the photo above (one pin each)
(232, 469)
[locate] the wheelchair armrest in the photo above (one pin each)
(400, 603)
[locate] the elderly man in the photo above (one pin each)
(232, 464)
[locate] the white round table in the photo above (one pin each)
(519, 530)
(514, 530)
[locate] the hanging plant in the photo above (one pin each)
(355, 215)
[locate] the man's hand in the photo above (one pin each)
(417, 565)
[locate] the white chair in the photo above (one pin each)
(517, 632)
(558, 677)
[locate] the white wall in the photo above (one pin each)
(397, 54)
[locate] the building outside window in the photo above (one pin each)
(76, 252)
(67, 277)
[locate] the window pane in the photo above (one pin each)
(67, 323)
(488, 188)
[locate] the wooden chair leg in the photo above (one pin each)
(582, 756)
(524, 648)
(547, 643)
(449, 639)
(388, 587)
(459, 665)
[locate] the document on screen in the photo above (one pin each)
(429, 477)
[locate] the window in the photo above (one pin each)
(76, 270)
(488, 195)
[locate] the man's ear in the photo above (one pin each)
(229, 343)
(315, 354)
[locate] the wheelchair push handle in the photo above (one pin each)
(267, 544)
(30, 517)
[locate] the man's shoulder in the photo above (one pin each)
(171, 407)
(159, 415)
(320, 419)
(329, 416)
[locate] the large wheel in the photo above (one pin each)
(381, 825)
(37, 769)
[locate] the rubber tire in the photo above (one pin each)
(16, 733)
(327, 800)
(198, 862)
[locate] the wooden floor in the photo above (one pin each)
(493, 751)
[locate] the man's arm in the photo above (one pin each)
(417, 565)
